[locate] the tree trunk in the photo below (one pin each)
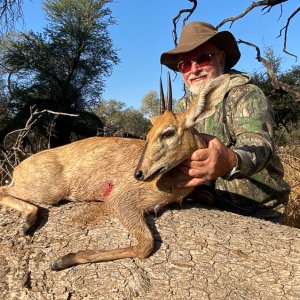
(201, 254)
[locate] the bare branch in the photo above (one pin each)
(12, 156)
(293, 90)
(10, 12)
(285, 28)
(177, 17)
(54, 113)
(267, 3)
(247, 10)
(273, 76)
(10, 73)
(15, 154)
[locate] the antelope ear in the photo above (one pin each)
(152, 119)
(205, 104)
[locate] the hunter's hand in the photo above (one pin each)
(207, 164)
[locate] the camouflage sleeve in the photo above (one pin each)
(252, 123)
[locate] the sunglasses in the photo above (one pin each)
(186, 65)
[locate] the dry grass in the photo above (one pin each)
(290, 157)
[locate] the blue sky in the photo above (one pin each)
(144, 31)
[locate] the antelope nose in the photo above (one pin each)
(138, 175)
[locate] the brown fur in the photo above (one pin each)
(130, 176)
(93, 169)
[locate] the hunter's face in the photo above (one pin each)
(201, 66)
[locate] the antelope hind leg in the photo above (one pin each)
(30, 210)
(90, 256)
(137, 226)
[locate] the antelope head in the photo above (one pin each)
(173, 138)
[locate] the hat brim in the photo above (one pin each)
(224, 40)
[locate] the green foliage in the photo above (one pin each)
(274, 60)
(135, 123)
(5, 114)
(286, 108)
(119, 120)
(110, 112)
(64, 68)
(291, 76)
(150, 104)
(67, 64)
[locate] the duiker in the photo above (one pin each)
(130, 176)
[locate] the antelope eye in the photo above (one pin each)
(168, 133)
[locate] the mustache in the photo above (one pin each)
(198, 75)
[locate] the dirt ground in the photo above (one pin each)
(200, 254)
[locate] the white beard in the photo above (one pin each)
(196, 89)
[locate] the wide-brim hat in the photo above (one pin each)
(196, 34)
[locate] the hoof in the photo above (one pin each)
(31, 223)
(27, 229)
(64, 262)
(57, 265)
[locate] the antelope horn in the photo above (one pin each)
(162, 99)
(169, 94)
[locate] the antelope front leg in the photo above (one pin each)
(137, 226)
(30, 210)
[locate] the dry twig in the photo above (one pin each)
(268, 5)
(177, 17)
(285, 28)
(12, 156)
(293, 90)
(10, 12)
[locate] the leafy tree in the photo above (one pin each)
(135, 123)
(110, 112)
(5, 114)
(64, 68)
(262, 78)
(119, 120)
(67, 64)
(150, 104)
(286, 106)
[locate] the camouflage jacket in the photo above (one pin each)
(244, 122)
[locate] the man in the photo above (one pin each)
(240, 157)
